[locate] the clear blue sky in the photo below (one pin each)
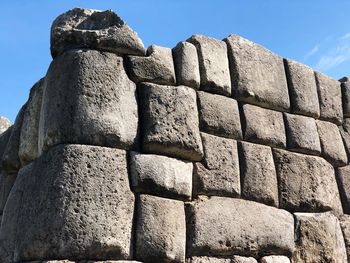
(314, 32)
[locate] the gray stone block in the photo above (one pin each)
(161, 175)
(4, 138)
(306, 183)
(319, 239)
(259, 180)
(4, 124)
(263, 126)
(6, 183)
(234, 259)
(72, 202)
(258, 75)
(169, 121)
(345, 134)
(345, 88)
(345, 227)
(218, 173)
(275, 259)
(87, 28)
(186, 65)
(329, 95)
(221, 226)
(302, 89)
(213, 64)
(343, 178)
(157, 67)
(219, 115)
(160, 230)
(302, 134)
(88, 99)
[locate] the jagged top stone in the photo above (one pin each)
(4, 124)
(95, 29)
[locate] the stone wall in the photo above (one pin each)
(213, 151)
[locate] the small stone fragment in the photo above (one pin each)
(275, 259)
(343, 176)
(345, 88)
(234, 259)
(4, 124)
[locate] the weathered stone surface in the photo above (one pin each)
(213, 64)
(4, 124)
(332, 145)
(72, 202)
(345, 133)
(345, 227)
(84, 261)
(264, 126)
(275, 259)
(319, 239)
(4, 138)
(157, 67)
(302, 89)
(302, 134)
(222, 226)
(170, 121)
(218, 173)
(345, 88)
(234, 259)
(329, 95)
(161, 175)
(306, 183)
(186, 65)
(160, 230)
(258, 75)
(343, 178)
(88, 99)
(259, 180)
(219, 115)
(28, 146)
(87, 28)
(6, 183)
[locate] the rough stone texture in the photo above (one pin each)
(302, 134)
(157, 67)
(218, 173)
(6, 183)
(258, 75)
(343, 178)
(85, 261)
(259, 180)
(4, 124)
(161, 175)
(345, 227)
(264, 126)
(222, 226)
(345, 88)
(72, 202)
(332, 145)
(4, 138)
(86, 28)
(345, 134)
(169, 121)
(213, 64)
(160, 230)
(234, 259)
(88, 99)
(275, 259)
(319, 239)
(28, 147)
(186, 65)
(219, 115)
(302, 89)
(306, 183)
(329, 95)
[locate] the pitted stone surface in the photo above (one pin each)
(160, 230)
(91, 100)
(345, 88)
(72, 202)
(222, 226)
(258, 75)
(302, 134)
(343, 176)
(87, 28)
(264, 126)
(186, 65)
(4, 124)
(345, 227)
(275, 259)
(169, 121)
(234, 259)
(219, 115)
(161, 175)
(306, 183)
(213, 64)
(218, 173)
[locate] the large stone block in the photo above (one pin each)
(170, 122)
(87, 28)
(72, 202)
(343, 178)
(329, 95)
(332, 145)
(161, 175)
(319, 239)
(234, 259)
(345, 134)
(88, 99)
(160, 230)
(345, 227)
(302, 89)
(4, 138)
(213, 64)
(264, 126)
(218, 173)
(345, 88)
(4, 124)
(306, 183)
(219, 115)
(258, 75)
(275, 259)
(259, 180)
(222, 226)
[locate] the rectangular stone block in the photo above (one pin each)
(275, 259)
(343, 179)
(345, 227)
(234, 259)
(345, 134)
